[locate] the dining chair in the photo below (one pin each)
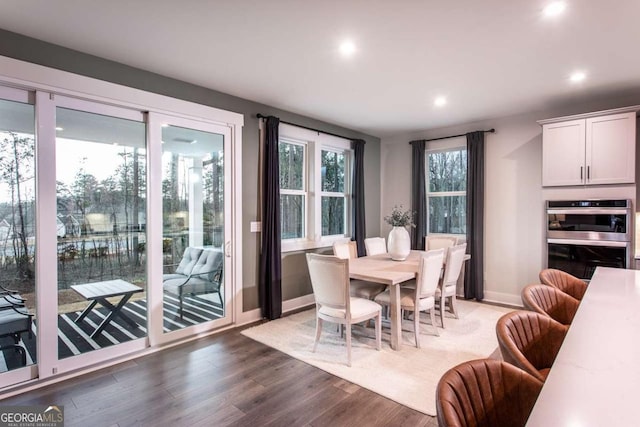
(375, 246)
(486, 392)
(358, 288)
(447, 286)
(529, 340)
(330, 283)
(422, 298)
(551, 302)
(437, 242)
(566, 282)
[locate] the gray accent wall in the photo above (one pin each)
(295, 276)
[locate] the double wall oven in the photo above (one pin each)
(585, 234)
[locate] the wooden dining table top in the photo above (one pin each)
(382, 269)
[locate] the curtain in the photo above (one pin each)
(357, 195)
(418, 194)
(474, 286)
(270, 279)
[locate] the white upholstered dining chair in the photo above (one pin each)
(375, 246)
(422, 297)
(330, 282)
(447, 287)
(437, 242)
(358, 288)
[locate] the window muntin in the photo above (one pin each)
(446, 191)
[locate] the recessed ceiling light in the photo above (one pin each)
(59, 128)
(347, 48)
(440, 101)
(554, 8)
(578, 76)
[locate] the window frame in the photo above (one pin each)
(305, 188)
(315, 143)
(455, 146)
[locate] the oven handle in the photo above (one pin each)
(589, 243)
(586, 211)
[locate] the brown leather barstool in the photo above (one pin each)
(551, 302)
(530, 341)
(564, 281)
(486, 392)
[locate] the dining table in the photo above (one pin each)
(382, 269)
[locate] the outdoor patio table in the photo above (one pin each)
(98, 292)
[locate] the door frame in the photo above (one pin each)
(47, 83)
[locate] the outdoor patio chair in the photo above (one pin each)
(15, 321)
(199, 272)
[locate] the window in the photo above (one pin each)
(447, 191)
(333, 193)
(293, 194)
(314, 188)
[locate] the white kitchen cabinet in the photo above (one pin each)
(591, 149)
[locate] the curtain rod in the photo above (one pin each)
(457, 136)
(262, 116)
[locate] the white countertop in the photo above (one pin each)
(595, 380)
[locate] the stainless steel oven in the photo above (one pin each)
(585, 234)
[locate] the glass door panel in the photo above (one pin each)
(101, 231)
(17, 237)
(193, 225)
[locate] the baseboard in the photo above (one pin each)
(297, 303)
(502, 298)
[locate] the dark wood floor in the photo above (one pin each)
(226, 380)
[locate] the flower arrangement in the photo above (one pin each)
(400, 217)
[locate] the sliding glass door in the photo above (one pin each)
(18, 350)
(195, 262)
(115, 230)
(101, 235)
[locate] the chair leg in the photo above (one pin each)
(318, 332)
(454, 308)
(348, 325)
(432, 313)
(443, 302)
(416, 327)
(181, 306)
(379, 331)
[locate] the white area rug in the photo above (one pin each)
(408, 376)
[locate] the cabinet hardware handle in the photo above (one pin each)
(227, 249)
(581, 167)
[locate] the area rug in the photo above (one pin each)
(408, 376)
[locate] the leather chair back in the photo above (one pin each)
(550, 301)
(530, 341)
(564, 281)
(484, 393)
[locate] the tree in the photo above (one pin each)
(17, 168)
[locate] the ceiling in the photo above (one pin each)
(489, 58)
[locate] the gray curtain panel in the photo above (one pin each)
(418, 194)
(474, 283)
(357, 195)
(270, 280)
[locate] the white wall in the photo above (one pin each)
(515, 250)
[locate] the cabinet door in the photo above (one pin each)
(563, 153)
(610, 156)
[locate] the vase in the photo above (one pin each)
(399, 245)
